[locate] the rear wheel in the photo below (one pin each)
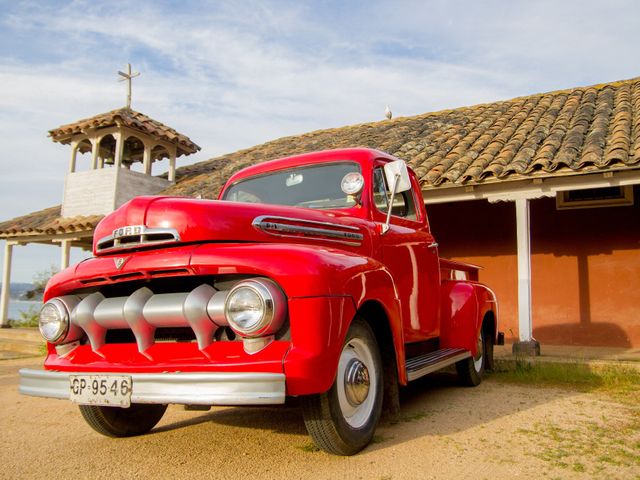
(343, 420)
(470, 370)
(122, 422)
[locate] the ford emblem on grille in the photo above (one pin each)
(120, 261)
(129, 231)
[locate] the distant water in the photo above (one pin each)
(17, 306)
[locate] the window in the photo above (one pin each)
(314, 186)
(403, 203)
(595, 197)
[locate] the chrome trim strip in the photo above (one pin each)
(220, 388)
(302, 220)
(425, 364)
(144, 239)
(315, 232)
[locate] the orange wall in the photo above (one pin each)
(585, 266)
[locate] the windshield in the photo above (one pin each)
(316, 186)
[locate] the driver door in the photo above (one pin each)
(410, 253)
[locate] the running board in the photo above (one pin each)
(424, 364)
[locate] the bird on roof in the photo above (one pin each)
(387, 112)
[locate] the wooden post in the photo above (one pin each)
(527, 344)
(172, 166)
(146, 158)
(66, 251)
(95, 150)
(72, 161)
(6, 285)
(117, 161)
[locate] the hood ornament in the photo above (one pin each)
(120, 261)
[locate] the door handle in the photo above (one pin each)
(433, 245)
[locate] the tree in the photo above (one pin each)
(40, 280)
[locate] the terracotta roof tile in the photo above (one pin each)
(129, 118)
(47, 222)
(568, 131)
(572, 131)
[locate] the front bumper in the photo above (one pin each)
(219, 388)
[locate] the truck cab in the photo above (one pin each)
(314, 276)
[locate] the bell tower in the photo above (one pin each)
(120, 142)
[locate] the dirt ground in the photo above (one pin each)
(494, 431)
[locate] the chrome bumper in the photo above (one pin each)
(183, 388)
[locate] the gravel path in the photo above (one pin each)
(493, 431)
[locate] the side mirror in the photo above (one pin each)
(397, 177)
(398, 180)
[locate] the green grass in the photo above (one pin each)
(607, 443)
(28, 318)
(309, 448)
(618, 380)
(589, 445)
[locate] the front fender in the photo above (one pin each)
(318, 328)
(308, 274)
(377, 285)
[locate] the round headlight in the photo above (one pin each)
(352, 183)
(255, 307)
(54, 320)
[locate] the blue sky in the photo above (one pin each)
(234, 74)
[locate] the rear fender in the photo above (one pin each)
(488, 308)
(460, 319)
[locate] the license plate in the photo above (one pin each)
(105, 390)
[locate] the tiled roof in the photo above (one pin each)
(129, 118)
(573, 131)
(568, 132)
(47, 222)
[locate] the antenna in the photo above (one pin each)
(128, 76)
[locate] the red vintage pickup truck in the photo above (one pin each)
(314, 276)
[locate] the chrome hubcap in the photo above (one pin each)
(356, 382)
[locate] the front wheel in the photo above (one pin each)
(122, 422)
(343, 420)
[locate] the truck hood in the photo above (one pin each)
(147, 222)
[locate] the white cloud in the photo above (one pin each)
(234, 74)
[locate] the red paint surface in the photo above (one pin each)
(325, 282)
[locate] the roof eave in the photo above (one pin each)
(512, 189)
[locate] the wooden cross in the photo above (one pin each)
(128, 76)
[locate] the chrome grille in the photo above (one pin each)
(133, 236)
(144, 315)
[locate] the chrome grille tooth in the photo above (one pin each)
(83, 317)
(109, 313)
(195, 311)
(201, 309)
(215, 308)
(165, 310)
(133, 314)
